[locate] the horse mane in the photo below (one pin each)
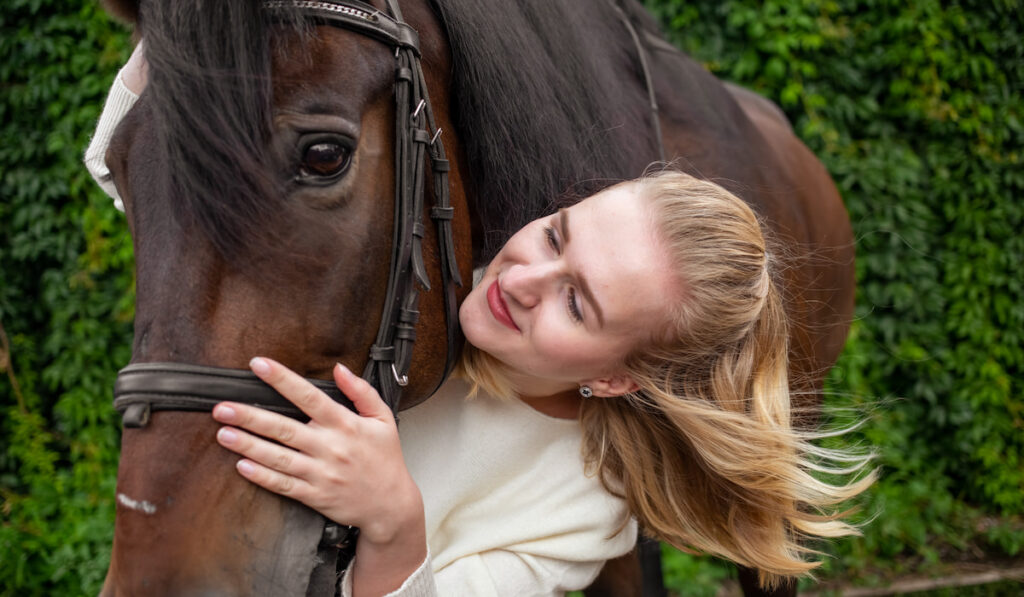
(548, 103)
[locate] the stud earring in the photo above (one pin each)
(586, 392)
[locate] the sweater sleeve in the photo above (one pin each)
(496, 573)
(419, 584)
(120, 99)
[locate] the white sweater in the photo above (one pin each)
(120, 99)
(508, 507)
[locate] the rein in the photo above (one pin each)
(144, 387)
(652, 101)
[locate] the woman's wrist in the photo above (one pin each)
(404, 519)
(388, 553)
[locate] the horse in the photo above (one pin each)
(256, 171)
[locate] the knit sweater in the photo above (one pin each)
(120, 99)
(508, 507)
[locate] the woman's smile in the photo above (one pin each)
(579, 289)
(499, 308)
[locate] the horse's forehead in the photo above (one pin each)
(330, 63)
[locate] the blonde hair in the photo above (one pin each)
(704, 452)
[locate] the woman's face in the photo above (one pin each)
(570, 295)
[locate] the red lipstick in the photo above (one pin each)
(498, 306)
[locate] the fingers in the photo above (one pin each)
(364, 397)
(310, 400)
(275, 481)
(268, 424)
(268, 455)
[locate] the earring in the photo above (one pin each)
(586, 392)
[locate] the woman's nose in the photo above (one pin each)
(526, 284)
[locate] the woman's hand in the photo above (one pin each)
(346, 465)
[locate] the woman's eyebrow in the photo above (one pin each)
(563, 229)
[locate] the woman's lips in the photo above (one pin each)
(498, 307)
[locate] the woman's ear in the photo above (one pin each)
(615, 385)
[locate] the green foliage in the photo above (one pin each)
(915, 108)
(693, 576)
(65, 301)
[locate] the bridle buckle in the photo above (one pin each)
(402, 380)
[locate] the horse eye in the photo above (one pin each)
(324, 159)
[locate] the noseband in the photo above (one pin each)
(145, 387)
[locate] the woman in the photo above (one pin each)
(629, 356)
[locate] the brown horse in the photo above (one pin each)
(257, 171)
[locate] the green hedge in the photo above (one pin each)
(65, 303)
(915, 108)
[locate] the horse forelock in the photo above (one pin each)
(210, 94)
(548, 105)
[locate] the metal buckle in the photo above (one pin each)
(402, 380)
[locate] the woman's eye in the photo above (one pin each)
(574, 308)
(324, 159)
(552, 239)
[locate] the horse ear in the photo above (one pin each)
(123, 10)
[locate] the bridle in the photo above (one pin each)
(144, 387)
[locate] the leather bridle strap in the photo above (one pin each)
(352, 14)
(417, 137)
(652, 100)
(144, 387)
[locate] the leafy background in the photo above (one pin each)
(916, 110)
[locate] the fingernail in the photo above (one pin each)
(226, 435)
(259, 366)
(224, 413)
(344, 369)
(245, 467)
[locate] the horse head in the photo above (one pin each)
(258, 176)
